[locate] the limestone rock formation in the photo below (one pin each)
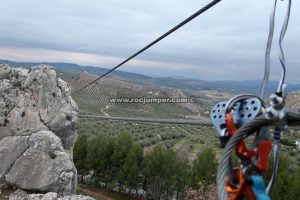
(21, 195)
(37, 130)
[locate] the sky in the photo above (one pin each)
(225, 43)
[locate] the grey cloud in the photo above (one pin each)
(227, 42)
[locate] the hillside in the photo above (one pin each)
(232, 86)
(95, 99)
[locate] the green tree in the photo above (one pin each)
(107, 171)
(121, 146)
(130, 173)
(159, 171)
(181, 178)
(169, 169)
(182, 171)
(204, 168)
(98, 158)
(79, 156)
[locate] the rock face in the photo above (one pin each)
(21, 195)
(37, 130)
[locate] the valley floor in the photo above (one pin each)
(102, 194)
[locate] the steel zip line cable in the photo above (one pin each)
(202, 122)
(280, 88)
(281, 55)
(196, 14)
(264, 84)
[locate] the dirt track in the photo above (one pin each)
(94, 194)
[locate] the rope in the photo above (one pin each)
(281, 82)
(196, 14)
(281, 55)
(264, 85)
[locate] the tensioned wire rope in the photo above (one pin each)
(190, 18)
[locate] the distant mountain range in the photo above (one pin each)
(249, 86)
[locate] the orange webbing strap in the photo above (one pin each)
(241, 148)
(231, 127)
(263, 150)
(243, 189)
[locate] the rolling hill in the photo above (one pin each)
(95, 99)
(232, 86)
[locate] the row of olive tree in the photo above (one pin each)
(162, 173)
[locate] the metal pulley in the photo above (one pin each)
(242, 110)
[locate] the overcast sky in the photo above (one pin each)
(227, 42)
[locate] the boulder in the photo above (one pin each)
(35, 100)
(44, 166)
(22, 195)
(37, 131)
(11, 148)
